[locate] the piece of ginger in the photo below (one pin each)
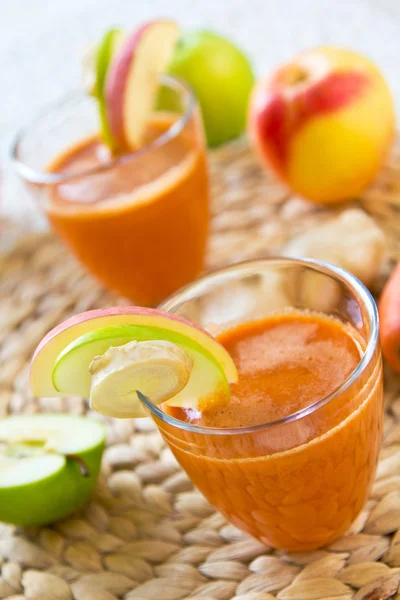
(351, 240)
(157, 368)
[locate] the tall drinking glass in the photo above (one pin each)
(138, 222)
(297, 482)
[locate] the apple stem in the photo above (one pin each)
(81, 464)
(294, 74)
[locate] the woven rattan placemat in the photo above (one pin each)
(147, 534)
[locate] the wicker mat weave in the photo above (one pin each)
(147, 534)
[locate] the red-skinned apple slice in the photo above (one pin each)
(63, 359)
(132, 80)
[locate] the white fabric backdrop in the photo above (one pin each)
(41, 40)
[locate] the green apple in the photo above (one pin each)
(222, 78)
(107, 48)
(62, 360)
(49, 464)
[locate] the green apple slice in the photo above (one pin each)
(49, 466)
(107, 48)
(61, 362)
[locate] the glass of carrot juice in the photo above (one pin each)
(139, 221)
(292, 457)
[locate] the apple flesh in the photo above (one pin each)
(49, 465)
(323, 123)
(132, 81)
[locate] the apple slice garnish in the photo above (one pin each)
(105, 52)
(133, 78)
(49, 465)
(194, 371)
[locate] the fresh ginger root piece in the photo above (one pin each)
(158, 369)
(351, 240)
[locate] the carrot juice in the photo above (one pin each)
(137, 221)
(292, 457)
(142, 228)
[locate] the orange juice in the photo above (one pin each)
(138, 223)
(301, 482)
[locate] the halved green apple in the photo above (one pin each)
(106, 50)
(62, 360)
(49, 466)
(132, 80)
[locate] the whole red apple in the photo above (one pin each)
(323, 123)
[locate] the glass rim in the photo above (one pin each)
(188, 292)
(38, 176)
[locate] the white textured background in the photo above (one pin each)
(41, 41)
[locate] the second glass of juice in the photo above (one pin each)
(138, 222)
(292, 457)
